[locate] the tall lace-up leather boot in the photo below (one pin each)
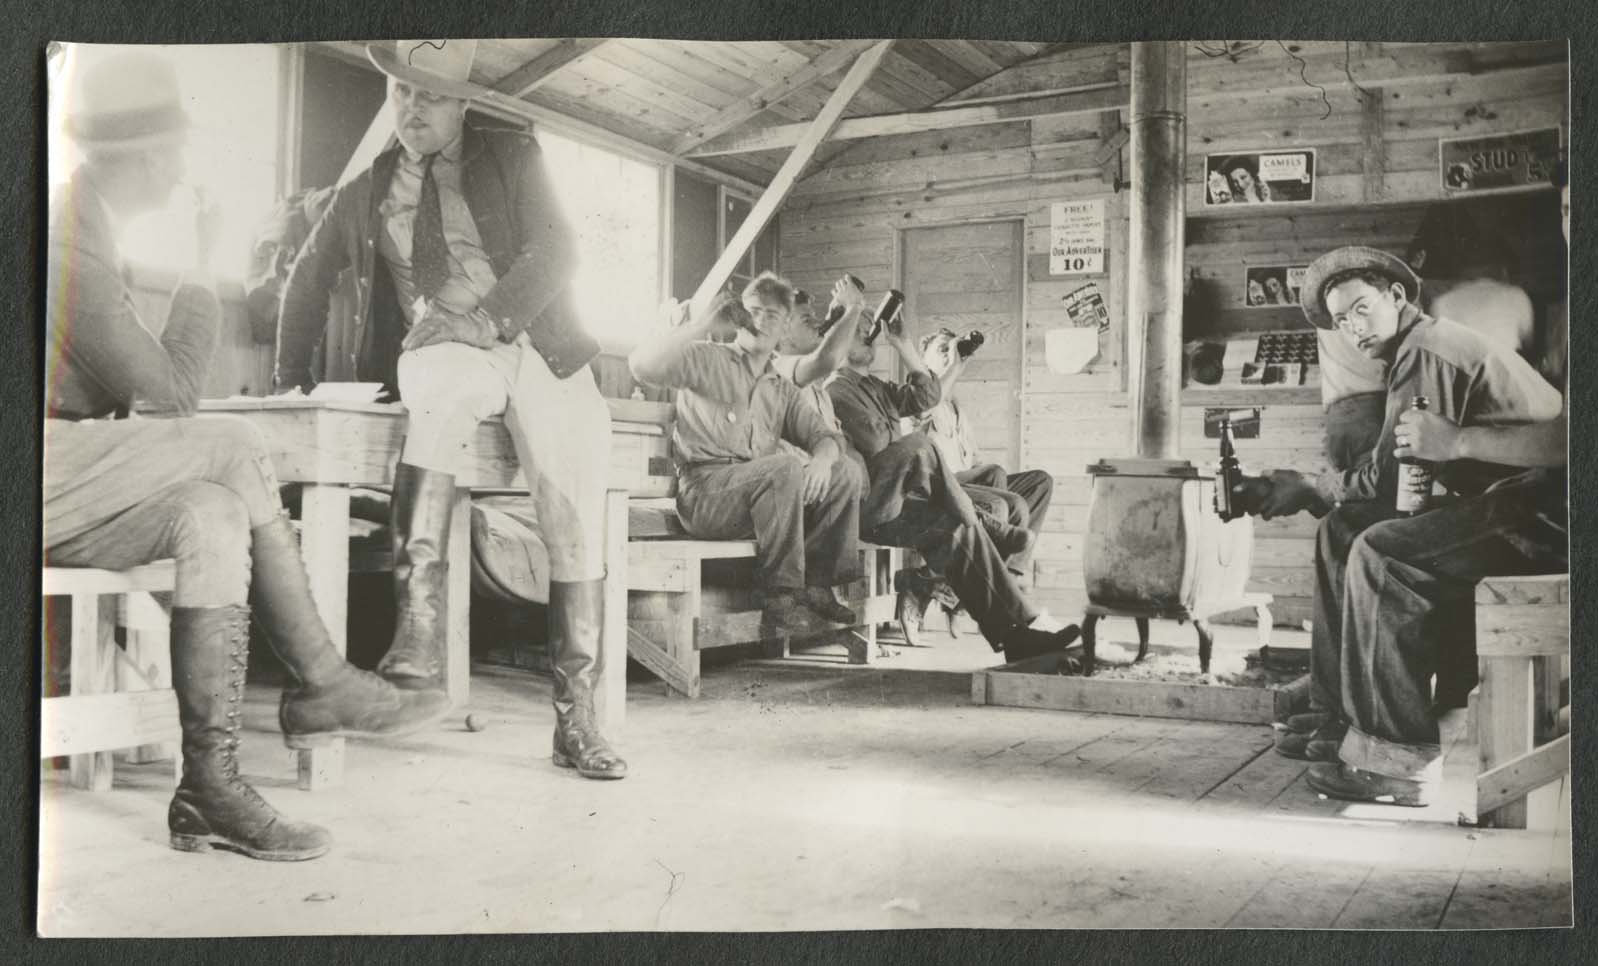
(213, 806)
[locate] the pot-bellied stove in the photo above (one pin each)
(1156, 548)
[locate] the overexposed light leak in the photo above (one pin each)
(613, 204)
(231, 95)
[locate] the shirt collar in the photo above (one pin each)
(451, 152)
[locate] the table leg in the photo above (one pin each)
(458, 646)
(611, 701)
(325, 548)
(1142, 638)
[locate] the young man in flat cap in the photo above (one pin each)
(735, 479)
(1386, 584)
(463, 266)
(199, 490)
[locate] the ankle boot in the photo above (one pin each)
(575, 613)
(333, 699)
(1025, 641)
(213, 807)
(1012, 542)
(423, 500)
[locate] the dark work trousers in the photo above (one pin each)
(795, 545)
(1353, 425)
(1403, 581)
(1020, 499)
(916, 502)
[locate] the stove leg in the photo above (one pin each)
(1206, 643)
(1089, 641)
(1142, 638)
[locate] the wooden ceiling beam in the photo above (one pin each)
(783, 181)
(538, 71)
(772, 94)
(1109, 96)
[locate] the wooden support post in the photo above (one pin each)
(1504, 728)
(325, 548)
(1373, 158)
(458, 645)
(611, 701)
(783, 181)
(93, 672)
(148, 664)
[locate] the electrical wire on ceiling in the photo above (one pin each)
(1234, 50)
(1303, 75)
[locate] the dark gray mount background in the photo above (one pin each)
(30, 24)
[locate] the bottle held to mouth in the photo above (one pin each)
(1415, 476)
(970, 344)
(889, 313)
(834, 310)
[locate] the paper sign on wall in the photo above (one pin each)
(1086, 309)
(1076, 237)
(1500, 161)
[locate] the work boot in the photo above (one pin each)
(213, 807)
(1307, 722)
(914, 593)
(784, 612)
(576, 611)
(1025, 641)
(824, 602)
(1318, 745)
(1012, 542)
(1350, 784)
(423, 500)
(332, 699)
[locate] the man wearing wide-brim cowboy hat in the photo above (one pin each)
(194, 489)
(463, 267)
(1387, 585)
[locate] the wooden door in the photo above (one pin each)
(964, 277)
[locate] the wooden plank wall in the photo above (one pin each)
(1378, 171)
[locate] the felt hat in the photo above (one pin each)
(1340, 261)
(125, 101)
(442, 67)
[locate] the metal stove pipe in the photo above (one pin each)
(1154, 252)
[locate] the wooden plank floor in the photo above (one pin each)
(800, 798)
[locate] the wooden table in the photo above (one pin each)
(329, 447)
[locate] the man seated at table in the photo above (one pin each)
(1022, 498)
(915, 501)
(120, 492)
(1418, 569)
(1376, 614)
(734, 481)
(463, 266)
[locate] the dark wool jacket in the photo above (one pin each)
(523, 233)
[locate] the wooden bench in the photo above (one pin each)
(671, 614)
(1523, 644)
(119, 698)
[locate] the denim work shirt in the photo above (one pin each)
(1467, 379)
(729, 411)
(870, 408)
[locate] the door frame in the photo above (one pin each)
(1020, 221)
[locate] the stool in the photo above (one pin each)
(1522, 640)
(119, 698)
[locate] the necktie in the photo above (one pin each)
(429, 251)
